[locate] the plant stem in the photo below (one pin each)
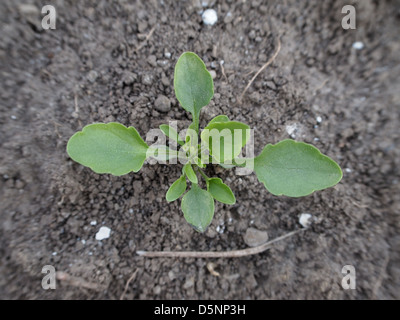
(196, 122)
(203, 174)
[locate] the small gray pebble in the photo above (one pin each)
(162, 104)
(254, 237)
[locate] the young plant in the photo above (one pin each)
(289, 168)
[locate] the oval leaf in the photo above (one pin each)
(221, 118)
(198, 208)
(220, 191)
(171, 133)
(108, 148)
(225, 140)
(193, 84)
(295, 169)
(188, 170)
(176, 189)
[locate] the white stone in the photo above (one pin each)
(210, 17)
(213, 74)
(291, 129)
(93, 223)
(358, 45)
(305, 219)
(319, 119)
(103, 233)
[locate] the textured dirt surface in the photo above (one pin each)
(110, 62)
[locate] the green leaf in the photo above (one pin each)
(108, 148)
(198, 208)
(220, 191)
(295, 169)
(199, 163)
(193, 84)
(171, 133)
(188, 170)
(221, 118)
(227, 166)
(224, 133)
(176, 189)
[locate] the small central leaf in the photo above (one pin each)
(171, 133)
(176, 189)
(220, 191)
(225, 140)
(221, 118)
(188, 170)
(198, 208)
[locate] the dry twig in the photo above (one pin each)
(78, 282)
(146, 39)
(278, 48)
(216, 254)
(127, 284)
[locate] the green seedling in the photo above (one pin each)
(290, 168)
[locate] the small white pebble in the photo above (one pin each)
(319, 119)
(83, 241)
(348, 170)
(358, 45)
(130, 211)
(213, 74)
(209, 17)
(13, 117)
(305, 219)
(93, 223)
(54, 253)
(291, 129)
(167, 55)
(316, 139)
(103, 233)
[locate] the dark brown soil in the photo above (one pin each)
(98, 66)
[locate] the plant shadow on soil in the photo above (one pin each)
(110, 62)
